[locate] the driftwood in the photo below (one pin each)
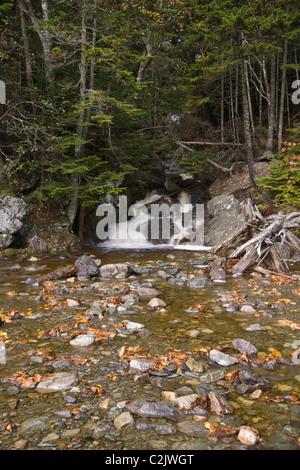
(62, 273)
(259, 252)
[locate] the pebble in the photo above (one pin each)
(82, 340)
(155, 302)
(221, 358)
(248, 435)
(248, 309)
(123, 419)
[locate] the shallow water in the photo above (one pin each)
(275, 414)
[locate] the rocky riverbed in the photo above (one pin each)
(153, 350)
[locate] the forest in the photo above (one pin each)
(170, 344)
(99, 92)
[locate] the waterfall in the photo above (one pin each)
(145, 229)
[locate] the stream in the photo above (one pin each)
(108, 407)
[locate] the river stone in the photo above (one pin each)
(83, 340)
(152, 409)
(248, 309)
(34, 424)
(219, 404)
(244, 346)
(86, 266)
(221, 358)
(186, 401)
(296, 357)
(141, 365)
(192, 428)
(199, 283)
(147, 292)
(123, 419)
(58, 382)
(12, 214)
(155, 302)
(213, 376)
(248, 436)
(132, 325)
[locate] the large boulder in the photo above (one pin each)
(12, 214)
(227, 222)
(87, 266)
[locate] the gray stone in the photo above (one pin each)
(227, 223)
(114, 270)
(141, 365)
(12, 215)
(199, 283)
(152, 409)
(83, 340)
(147, 292)
(213, 376)
(191, 428)
(244, 346)
(86, 266)
(220, 204)
(221, 358)
(58, 382)
(34, 424)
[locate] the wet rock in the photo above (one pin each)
(141, 365)
(147, 292)
(165, 429)
(58, 382)
(248, 309)
(131, 325)
(221, 358)
(186, 401)
(118, 270)
(199, 283)
(152, 409)
(12, 390)
(248, 436)
(86, 266)
(250, 382)
(244, 346)
(217, 273)
(232, 307)
(123, 420)
(213, 376)
(34, 424)
(194, 365)
(155, 302)
(12, 214)
(21, 444)
(254, 327)
(72, 303)
(219, 404)
(296, 357)
(191, 428)
(82, 340)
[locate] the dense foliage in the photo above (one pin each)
(93, 87)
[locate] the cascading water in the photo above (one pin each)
(141, 231)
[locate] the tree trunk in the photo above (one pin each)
(27, 54)
(45, 39)
(73, 206)
(247, 126)
(271, 108)
(282, 96)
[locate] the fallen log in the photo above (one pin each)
(261, 270)
(61, 273)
